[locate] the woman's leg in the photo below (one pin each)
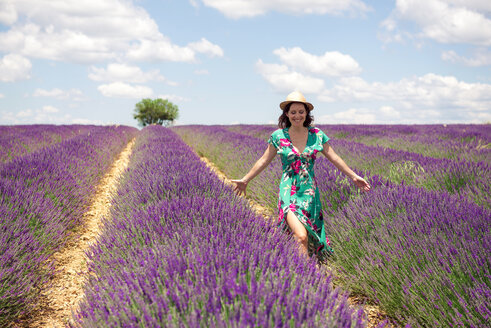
(299, 231)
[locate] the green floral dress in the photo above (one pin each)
(298, 187)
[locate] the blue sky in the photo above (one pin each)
(234, 61)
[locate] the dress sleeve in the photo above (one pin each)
(322, 136)
(273, 140)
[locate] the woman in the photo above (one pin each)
(298, 144)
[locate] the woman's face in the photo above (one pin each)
(297, 114)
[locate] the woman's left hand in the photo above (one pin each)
(361, 183)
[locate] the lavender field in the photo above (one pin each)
(43, 194)
(18, 140)
(180, 249)
(419, 242)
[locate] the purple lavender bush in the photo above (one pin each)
(18, 140)
(43, 196)
(469, 179)
(423, 254)
(453, 141)
(182, 250)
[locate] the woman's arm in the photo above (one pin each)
(259, 166)
(331, 155)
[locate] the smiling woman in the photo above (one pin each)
(299, 207)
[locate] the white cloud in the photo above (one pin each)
(299, 66)
(477, 118)
(45, 115)
(73, 94)
(14, 67)
(160, 49)
(8, 14)
(48, 93)
(388, 115)
(444, 21)
(478, 5)
(350, 116)
(87, 121)
(123, 90)
(25, 113)
(389, 111)
(285, 80)
(194, 3)
(2, 95)
(427, 91)
(417, 98)
(50, 109)
(482, 57)
(38, 114)
(117, 72)
(240, 8)
(331, 63)
(7, 118)
(174, 98)
(60, 44)
(206, 47)
(87, 31)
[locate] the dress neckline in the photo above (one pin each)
(287, 133)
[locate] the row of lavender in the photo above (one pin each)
(42, 198)
(19, 140)
(454, 141)
(422, 254)
(457, 142)
(182, 250)
(459, 176)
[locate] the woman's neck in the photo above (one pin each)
(297, 129)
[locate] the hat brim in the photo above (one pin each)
(286, 102)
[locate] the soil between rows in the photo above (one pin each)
(65, 289)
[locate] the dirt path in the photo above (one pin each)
(65, 290)
(373, 314)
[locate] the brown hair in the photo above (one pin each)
(284, 121)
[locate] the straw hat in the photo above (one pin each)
(295, 96)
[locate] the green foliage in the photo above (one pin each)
(407, 171)
(155, 111)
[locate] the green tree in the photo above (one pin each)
(155, 111)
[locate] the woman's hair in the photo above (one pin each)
(284, 121)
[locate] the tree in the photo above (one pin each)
(155, 111)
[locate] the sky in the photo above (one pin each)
(234, 61)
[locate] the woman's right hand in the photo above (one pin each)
(240, 186)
